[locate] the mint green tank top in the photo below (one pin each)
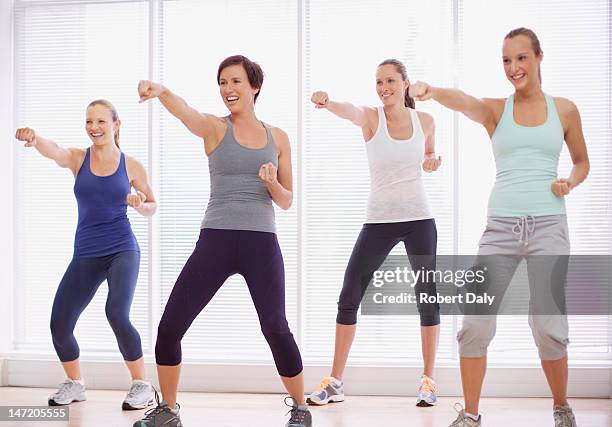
(526, 158)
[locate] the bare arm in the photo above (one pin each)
(576, 145)
(144, 200)
(279, 181)
(64, 157)
(344, 110)
(431, 163)
(199, 124)
(479, 110)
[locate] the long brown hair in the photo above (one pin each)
(400, 68)
(113, 112)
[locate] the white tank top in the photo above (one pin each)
(397, 193)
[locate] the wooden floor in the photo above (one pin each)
(103, 408)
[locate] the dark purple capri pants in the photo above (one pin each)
(219, 254)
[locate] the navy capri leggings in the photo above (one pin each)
(77, 289)
(218, 255)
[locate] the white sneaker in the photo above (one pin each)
(427, 392)
(70, 391)
(463, 420)
(139, 396)
(329, 390)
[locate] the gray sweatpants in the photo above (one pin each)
(520, 237)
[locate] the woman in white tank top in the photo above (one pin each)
(399, 143)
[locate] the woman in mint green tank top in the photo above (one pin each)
(526, 213)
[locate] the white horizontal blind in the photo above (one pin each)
(575, 39)
(228, 328)
(344, 43)
(66, 56)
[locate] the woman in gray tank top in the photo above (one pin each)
(250, 167)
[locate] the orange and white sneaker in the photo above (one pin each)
(427, 392)
(329, 390)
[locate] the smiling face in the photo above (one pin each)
(235, 89)
(390, 86)
(521, 62)
(100, 126)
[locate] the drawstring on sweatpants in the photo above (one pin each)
(523, 227)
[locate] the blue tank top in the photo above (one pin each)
(526, 158)
(103, 227)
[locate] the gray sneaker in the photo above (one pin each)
(70, 391)
(463, 420)
(329, 390)
(139, 397)
(564, 416)
(427, 392)
(161, 415)
(300, 417)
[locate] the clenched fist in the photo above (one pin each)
(267, 173)
(26, 134)
(561, 187)
(320, 99)
(432, 164)
(148, 90)
(136, 200)
(420, 91)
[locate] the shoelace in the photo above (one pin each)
(563, 413)
(63, 389)
(297, 415)
(324, 383)
(524, 227)
(427, 385)
(135, 389)
(158, 409)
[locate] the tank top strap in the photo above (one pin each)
(417, 128)
(382, 120)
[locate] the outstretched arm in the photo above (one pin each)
(344, 110)
(64, 157)
(198, 123)
(479, 110)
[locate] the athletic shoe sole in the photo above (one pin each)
(425, 404)
(332, 399)
(127, 407)
(53, 402)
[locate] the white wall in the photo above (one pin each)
(6, 178)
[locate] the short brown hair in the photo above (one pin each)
(253, 70)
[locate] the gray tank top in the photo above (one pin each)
(239, 200)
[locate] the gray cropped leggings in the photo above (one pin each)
(522, 237)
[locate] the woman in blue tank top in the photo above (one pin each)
(105, 247)
(526, 215)
(250, 167)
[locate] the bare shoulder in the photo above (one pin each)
(496, 106)
(565, 106)
(371, 113)
(214, 120)
(281, 139)
(426, 119)
(135, 168)
(78, 153)
(219, 124)
(77, 157)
